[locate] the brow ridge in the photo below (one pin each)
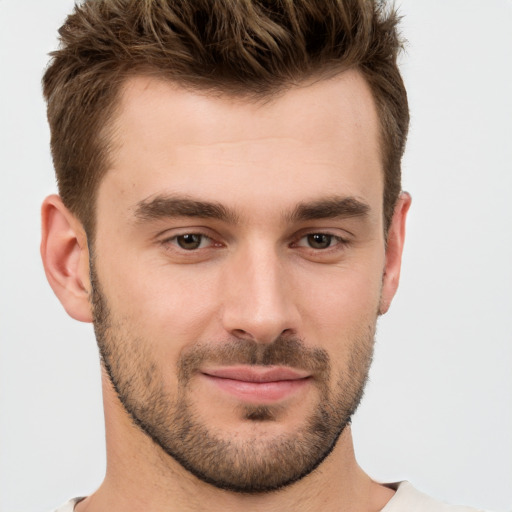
(329, 208)
(169, 206)
(164, 206)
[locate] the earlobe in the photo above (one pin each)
(65, 257)
(394, 250)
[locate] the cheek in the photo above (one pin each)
(166, 307)
(340, 305)
(353, 284)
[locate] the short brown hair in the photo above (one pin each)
(239, 47)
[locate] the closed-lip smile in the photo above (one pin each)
(257, 384)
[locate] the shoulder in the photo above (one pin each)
(408, 498)
(69, 506)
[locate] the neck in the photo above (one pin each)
(140, 476)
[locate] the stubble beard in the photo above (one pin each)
(254, 464)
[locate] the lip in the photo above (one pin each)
(257, 384)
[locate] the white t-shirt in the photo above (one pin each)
(409, 499)
(406, 499)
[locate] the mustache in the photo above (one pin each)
(283, 351)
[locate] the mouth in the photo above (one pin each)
(257, 384)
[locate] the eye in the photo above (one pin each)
(191, 241)
(319, 241)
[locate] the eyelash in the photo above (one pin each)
(338, 241)
(203, 238)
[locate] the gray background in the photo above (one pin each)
(438, 408)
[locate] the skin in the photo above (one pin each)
(255, 277)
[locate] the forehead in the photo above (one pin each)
(315, 139)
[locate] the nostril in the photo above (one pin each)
(240, 333)
(262, 337)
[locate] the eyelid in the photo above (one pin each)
(173, 232)
(169, 237)
(343, 236)
(204, 240)
(339, 241)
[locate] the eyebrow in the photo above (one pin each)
(161, 207)
(329, 208)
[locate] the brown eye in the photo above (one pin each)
(189, 242)
(319, 240)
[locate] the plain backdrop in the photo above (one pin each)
(438, 409)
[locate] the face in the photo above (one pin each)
(239, 264)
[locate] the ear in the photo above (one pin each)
(394, 249)
(65, 257)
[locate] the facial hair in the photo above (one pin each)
(256, 463)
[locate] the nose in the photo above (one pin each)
(259, 302)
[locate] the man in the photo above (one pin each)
(231, 220)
